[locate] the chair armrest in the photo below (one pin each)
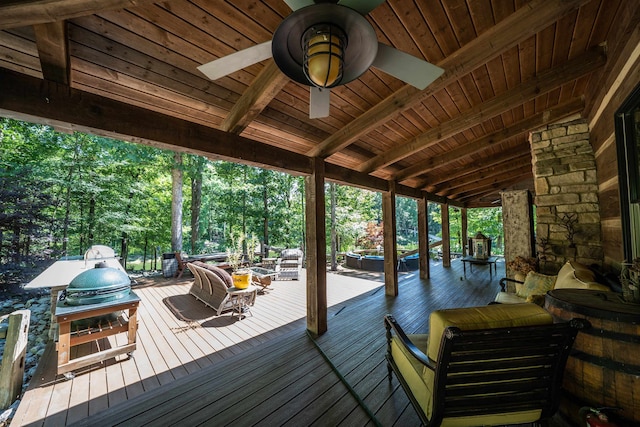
(391, 324)
(503, 283)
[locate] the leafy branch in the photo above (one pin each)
(569, 221)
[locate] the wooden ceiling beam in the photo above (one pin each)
(480, 178)
(466, 172)
(53, 50)
(50, 103)
(258, 95)
(550, 115)
(525, 22)
(494, 183)
(15, 14)
(34, 100)
(354, 178)
(479, 199)
(543, 83)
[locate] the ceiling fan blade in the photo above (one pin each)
(362, 6)
(236, 61)
(298, 4)
(319, 102)
(408, 68)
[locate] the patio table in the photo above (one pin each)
(262, 277)
(479, 261)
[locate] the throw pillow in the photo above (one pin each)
(578, 276)
(536, 284)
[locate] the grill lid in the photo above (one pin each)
(98, 285)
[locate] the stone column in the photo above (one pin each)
(567, 208)
(517, 224)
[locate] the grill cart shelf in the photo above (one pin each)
(66, 314)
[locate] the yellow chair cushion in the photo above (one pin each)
(421, 386)
(485, 317)
(536, 284)
(578, 276)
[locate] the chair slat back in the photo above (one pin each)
(502, 370)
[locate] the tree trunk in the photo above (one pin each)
(176, 204)
(265, 214)
(196, 202)
(67, 213)
(144, 253)
(15, 243)
(67, 201)
(244, 210)
(92, 220)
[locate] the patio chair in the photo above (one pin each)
(210, 287)
(492, 365)
(182, 263)
(289, 264)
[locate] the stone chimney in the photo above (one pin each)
(567, 208)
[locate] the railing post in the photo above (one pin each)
(13, 358)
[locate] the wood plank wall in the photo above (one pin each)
(611, 87)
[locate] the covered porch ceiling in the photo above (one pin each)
(510, 66)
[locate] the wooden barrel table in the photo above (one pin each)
(604, 367)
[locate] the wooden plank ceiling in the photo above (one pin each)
(510, 67)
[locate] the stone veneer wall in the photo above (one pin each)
(566, 187)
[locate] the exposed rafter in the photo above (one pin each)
(522, 24)
(27, 98)
(264, 88)
(527, 91)
(437, 181)
(53, 50)
(32, 12)
(489, 177)
(486, 142)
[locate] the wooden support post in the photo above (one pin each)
(446, 237)
(465, 239)
(13, 357)
(316, 249)
(390, 244)
(423, 238)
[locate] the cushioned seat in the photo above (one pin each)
(210, 286)
(492, 359)
(572, 275)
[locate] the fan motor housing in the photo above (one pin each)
(362, 42)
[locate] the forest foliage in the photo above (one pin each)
(61, 193)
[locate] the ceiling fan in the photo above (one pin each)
(327, 44)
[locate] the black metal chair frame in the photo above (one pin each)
(492, 371)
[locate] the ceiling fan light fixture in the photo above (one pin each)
(323, 61)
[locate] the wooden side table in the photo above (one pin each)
(242, 299)
(65, 314)
(491, 261)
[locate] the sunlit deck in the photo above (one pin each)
(263, 370)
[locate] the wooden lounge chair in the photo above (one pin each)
(493, 365)
(182, 264)
(210, 287)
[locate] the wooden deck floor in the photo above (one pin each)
(263, 370)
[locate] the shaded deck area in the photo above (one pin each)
(193, 368)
